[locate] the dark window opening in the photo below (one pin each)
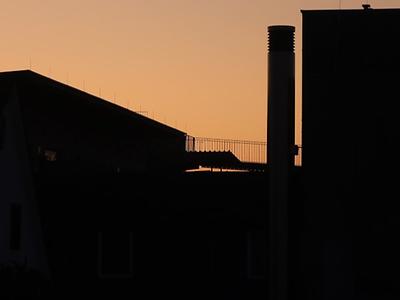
(50, 155)
(47, 154)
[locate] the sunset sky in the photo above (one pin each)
(198, 65)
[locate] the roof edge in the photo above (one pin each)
(384, 9)
(19, 73)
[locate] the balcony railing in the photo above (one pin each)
(245, 151)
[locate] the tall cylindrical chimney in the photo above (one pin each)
(280, 152)
(280, 136)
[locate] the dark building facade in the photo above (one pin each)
(351, 137)
(196, 235)
(95, 202)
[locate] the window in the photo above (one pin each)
(115, 254)
(15, 226)
(47, 154)
(50, 155)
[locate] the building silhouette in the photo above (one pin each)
(83, 131)
(95, 202)
(351, 135)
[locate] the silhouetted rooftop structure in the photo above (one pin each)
(82, 129)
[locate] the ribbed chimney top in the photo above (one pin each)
(281, 28)
(281, 38)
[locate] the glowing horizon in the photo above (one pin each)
(198, 66)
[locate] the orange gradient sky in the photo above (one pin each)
(198, 65)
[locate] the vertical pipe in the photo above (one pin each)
(280, 154)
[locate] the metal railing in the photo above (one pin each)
(245, 151)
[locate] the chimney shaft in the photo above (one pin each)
(280, 130)
(280, 152)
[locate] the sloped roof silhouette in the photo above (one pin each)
(22, 76)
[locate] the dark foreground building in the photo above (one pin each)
(351, 139)
(95, 202)
(83, 131)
